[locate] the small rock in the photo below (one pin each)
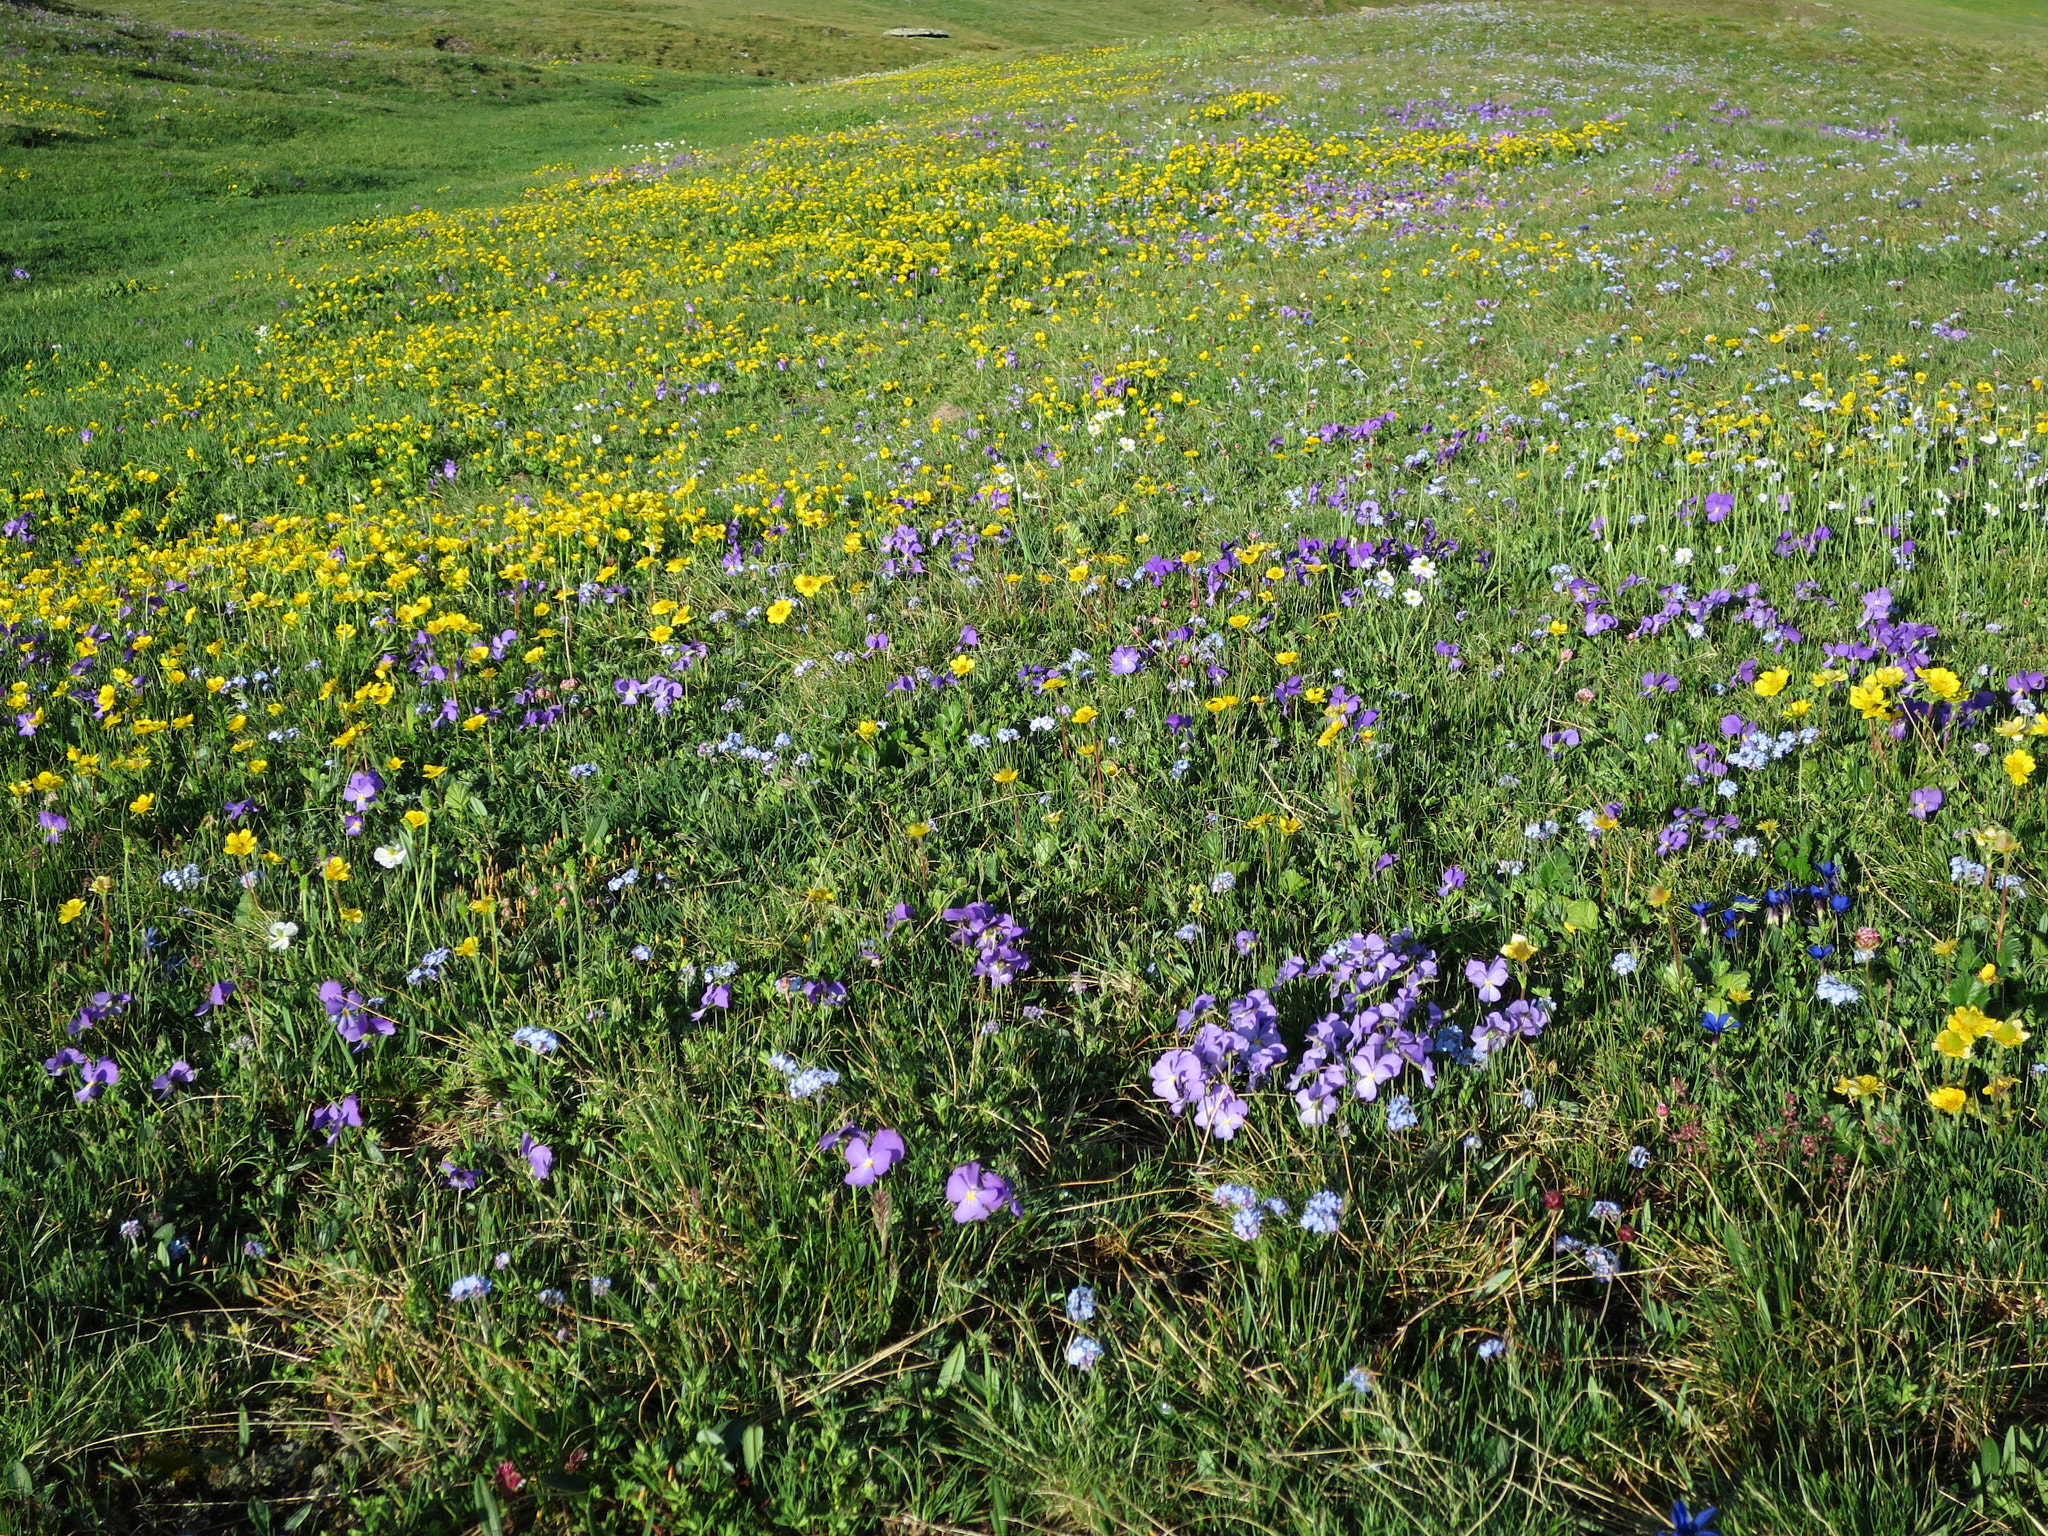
(915, 32)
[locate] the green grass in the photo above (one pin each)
(1829, 1314)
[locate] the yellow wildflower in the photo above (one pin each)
(1941, 682)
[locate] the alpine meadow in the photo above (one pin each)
(1190, 770)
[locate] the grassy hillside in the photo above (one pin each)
(1283, 779)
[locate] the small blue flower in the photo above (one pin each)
(1401, 1114)
(1358, 1379)
(1083, 1352)
(1324, 1211)
(1718, 1023)
(469, 1288)
(1685, 1523)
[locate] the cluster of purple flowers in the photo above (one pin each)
(95, 1076)
(996, 938)
(97, 1010)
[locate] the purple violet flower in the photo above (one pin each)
(333, 1119)
(977, 1195)
(869, 1158)
(363, 788)
(1488, 976)
(540, 1157)
(354, 1020)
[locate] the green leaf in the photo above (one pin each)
(751, 1441)
(954, 1368)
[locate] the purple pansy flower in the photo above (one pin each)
(363, 788)
(333, 1119)
(869, 1158)
(354, 1020)
(1488, 976)
(977, 1194)
(540, 1157)
(96, 1079)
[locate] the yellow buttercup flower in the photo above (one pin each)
(71, 909)
(335, 870)
(141, 805)
(1941, 682)
(1950, 1100)
(415, 819)
(1518, 948)
(917, 829)
(467, 948)
(1005, 775)
(484, 906)
(1772, 683)
(2019, 765)
(2008, 1033)
(1865, 1086)
(240, 844)
(810, 586)
(780, 610)
(1084, 714)
(960, 666)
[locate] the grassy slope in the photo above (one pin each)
(1717, 1295)
(792, 42)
